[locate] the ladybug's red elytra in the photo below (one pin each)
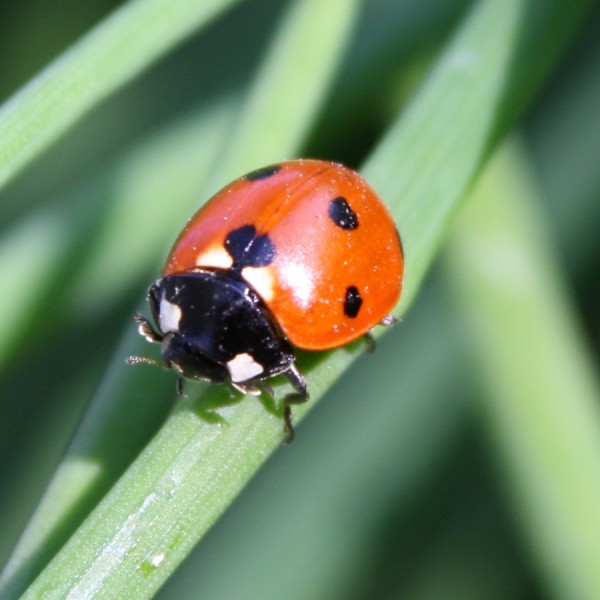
(299, 254)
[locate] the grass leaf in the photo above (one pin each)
(210, 447)
(94, 460)
(538, 376)
(118, 49)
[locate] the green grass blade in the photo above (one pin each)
(314, 505)
(486, 76)
(35, 247)
(95, 222)
(202, 457)
(541, 390)
(119, 48)
(168, 164)
(279, 113)
(306, 76)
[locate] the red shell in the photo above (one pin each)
(316, 261)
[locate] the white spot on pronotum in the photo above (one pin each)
(262, 280)
(243, 367)
(169, 316)
(215, 256)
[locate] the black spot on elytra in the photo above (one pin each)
(248, 249)
(352, 301)
(342, 214)
(262, 173)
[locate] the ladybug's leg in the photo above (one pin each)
(265, 388)
(243, 388)
(370, 342)
(387, 321)
(144, 360)
(146, 330)
(298, 397)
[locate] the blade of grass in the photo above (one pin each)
(393, 442)
(118, 49)
(94, 224)
(564, 137)
(307, 76)
(429, 158)
(278, 116)
(200, 459)
(172, 163)
(541, 390)
(34, 247)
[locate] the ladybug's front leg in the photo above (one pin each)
(298, 397)
(146, 330)
(387, 321)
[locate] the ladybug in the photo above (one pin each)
(301, 254)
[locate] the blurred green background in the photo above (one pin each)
(417, 505)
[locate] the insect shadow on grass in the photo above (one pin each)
(206, 399)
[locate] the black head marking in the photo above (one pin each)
(248, 249)
(352, 301)
(262, 173)
(342, 214)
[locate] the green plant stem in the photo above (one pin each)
(541, 391)
(118, 49)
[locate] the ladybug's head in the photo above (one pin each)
(213, 327)
(174, 314)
